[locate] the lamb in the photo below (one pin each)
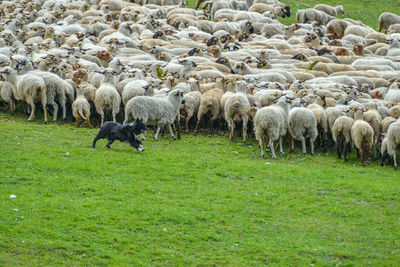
(362, 135)
(107, 96)
(386, 19)
(235, 110)
(271, 122)
(191, 106)
(302, 124)
(341, 134)
(332, 11)
(160, 111)
(393, 141)
(30, 88)
(209, 103)
(81, 110)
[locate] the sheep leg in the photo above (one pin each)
(394, 161)
(178, 127)
(339, 149)
(198, 122)
(367, 155)
(187, 123)
(312, 146)
(78, 120)
(171, 132)
(346, 146)
(324, 145)
(360, 151)
(88, 121)
(212, 125)
(55, 110)
(231, 127)
(280, 146)
(244, 131)
(101, 112)
(12, 106)
(262, 146)
(291, 141)
(32, 105)
(303, 145)
(271, 146)
(157, 132)
(114, 115)
(64, 110)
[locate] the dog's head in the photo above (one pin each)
(138, 127)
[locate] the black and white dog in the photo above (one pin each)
(125, 133)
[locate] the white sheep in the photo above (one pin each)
(107, 96)
(393, 141)
(160, 111)
(271, 122)
(235, 110)
(81, 110)
(362, 135)
(341, 134)
(30, 88)
(191, 106)
(332, 11)
(302, 124)
(386, 19)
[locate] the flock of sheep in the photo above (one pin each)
(321, 78)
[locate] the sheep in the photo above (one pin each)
(394, 28)
(160, 111)
(393, 141)
(386, 123)
(322, 122)
(362, 135)
(302, 124)
(81, 110)
(271, 122)
(309, 15)
(341, 134)
(386, 19)
(134, 88)
(191, 106)
(395, 111)
(30, 88)
(55, 90)
(332, 11)
(235, 110)
(209, 103)
(7, 91)
(107, 96)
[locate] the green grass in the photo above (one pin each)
(367, 11)
(198, 201)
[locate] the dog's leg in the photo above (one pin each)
(110, 143)
(95, 140)
(171, 132)
(157, 132)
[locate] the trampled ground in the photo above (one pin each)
(200, 200)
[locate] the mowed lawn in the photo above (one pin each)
(201, 200)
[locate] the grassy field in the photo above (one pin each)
(367, 11)
(198, 201)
